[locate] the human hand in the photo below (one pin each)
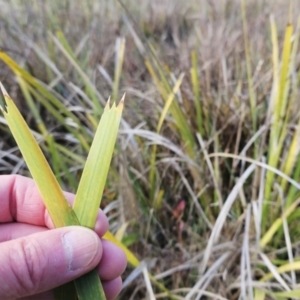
(34, 259)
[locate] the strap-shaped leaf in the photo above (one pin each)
(92, 182)
(91, 185)
(60, 211)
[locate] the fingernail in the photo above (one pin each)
(81, 246)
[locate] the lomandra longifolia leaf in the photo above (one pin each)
(96, 168)
(59, 209)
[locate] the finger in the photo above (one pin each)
(42, 261)
(20, 201)
(112, 288)
(101, 225)
(12, 231)
(113, 261)
(112, 265)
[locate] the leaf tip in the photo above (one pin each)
(107, 106)
(121, 103)
(3, 90)
(123, 98)
(3, 104)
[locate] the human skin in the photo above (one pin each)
(35, 257)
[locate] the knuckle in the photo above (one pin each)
(28, 265)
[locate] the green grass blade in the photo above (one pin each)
(59, 209)
(284, 77)
(163, 115)
(97, 165)
(180, 119)
(267, 237)
(92, 184)
(89, 287)
(279, 109)
(90, 88)
(252, 96)
(47, 99)
(42, 128)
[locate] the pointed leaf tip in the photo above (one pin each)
(107, 106)
(3, 90)
(123, 98)
(121, 103)
(3, 104)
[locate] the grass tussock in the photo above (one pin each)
(203, 187)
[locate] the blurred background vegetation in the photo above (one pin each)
(203, 187)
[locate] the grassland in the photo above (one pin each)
(203, 187)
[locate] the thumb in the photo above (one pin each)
(42, 261)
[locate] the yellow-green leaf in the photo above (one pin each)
(60, 211)
(97, 165)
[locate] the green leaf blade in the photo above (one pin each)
(91, 186)
(89, 287)
(60, 211)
